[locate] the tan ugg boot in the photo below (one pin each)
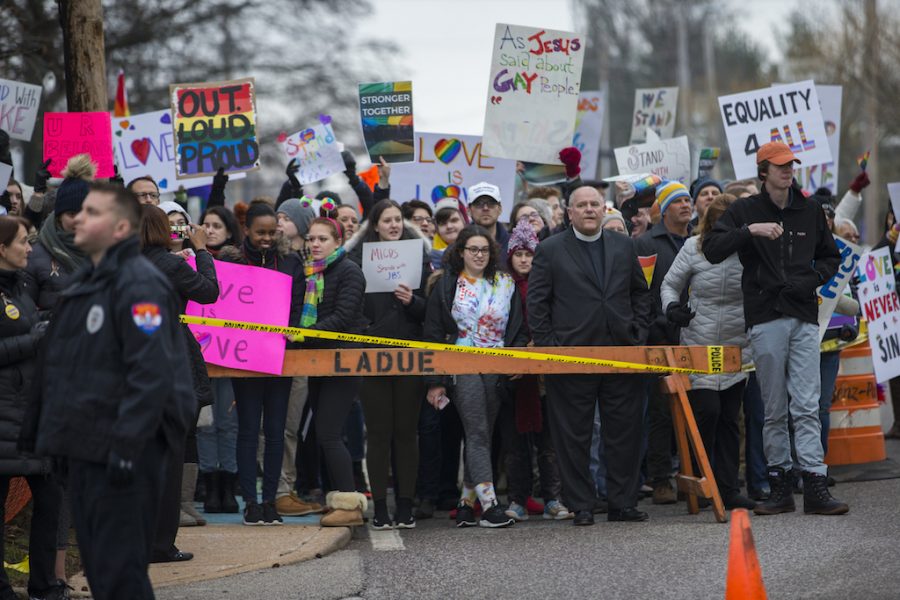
(346, 509)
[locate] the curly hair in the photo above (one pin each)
(454, 254)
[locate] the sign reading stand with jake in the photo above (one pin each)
(388, 264)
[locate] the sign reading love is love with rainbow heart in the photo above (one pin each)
(446, 165)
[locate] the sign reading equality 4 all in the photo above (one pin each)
(789, 114)
(215, 126)
(533, 93)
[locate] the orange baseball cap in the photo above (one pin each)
(777, 153)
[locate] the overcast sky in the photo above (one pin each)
(447, 46)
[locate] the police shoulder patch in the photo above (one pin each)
(147, 316)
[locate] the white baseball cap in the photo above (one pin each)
(484, 188)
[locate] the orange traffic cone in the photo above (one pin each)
(744, 581)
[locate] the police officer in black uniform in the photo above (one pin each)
(116, 391)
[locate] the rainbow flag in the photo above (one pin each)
(648, 265)
(120, 109)
(863, 160)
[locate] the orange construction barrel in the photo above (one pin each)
(855, 436)
(18, 496)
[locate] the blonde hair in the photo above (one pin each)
(716, 209)
(80, 166)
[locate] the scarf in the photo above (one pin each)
(315, 285)
(61, 245)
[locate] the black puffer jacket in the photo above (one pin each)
(341, 308)
(18, 360)
(200, 286)
(47, 277)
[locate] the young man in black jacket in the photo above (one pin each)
(116, 391)
(787, 251)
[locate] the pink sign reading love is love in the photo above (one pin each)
(250, 294)
(68, 134)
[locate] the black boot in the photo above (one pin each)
(213, 502)
(781, 499)
(226, 492)
(403, 518)
(381, 519)
(816, 497)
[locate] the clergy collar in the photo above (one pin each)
(587, 238)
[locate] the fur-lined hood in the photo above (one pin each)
(235, 254)
(358, 237)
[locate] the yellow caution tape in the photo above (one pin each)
(504, 352)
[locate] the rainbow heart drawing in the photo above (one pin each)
(439, 192)
(446, 150)
(204, 339)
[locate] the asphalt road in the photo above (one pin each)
(674, 555)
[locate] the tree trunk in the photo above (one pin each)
(82, 26)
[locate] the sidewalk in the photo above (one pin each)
(226, 547)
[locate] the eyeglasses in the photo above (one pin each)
(532, 216)
(422, 220)
(485, 203)
(486, 251)
(151, 195)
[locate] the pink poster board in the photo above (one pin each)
(68, 134)
(250, 294)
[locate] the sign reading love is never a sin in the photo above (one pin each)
(446, 165)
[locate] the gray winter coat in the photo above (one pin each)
(716, 298)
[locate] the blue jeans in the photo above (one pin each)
(828, 370)
(217, 443)
(754, 457)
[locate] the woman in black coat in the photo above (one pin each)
(200, 286)
(21, 327)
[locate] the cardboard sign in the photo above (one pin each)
(669, 159)
(812, 177)
(446, 165)
(388, 264)
(588, 129)
(215, 126)
(831, 290)
(654, 109)
(387, 120)
(249, 294)
(68, 134)
(5, 175)
(533, 93)
(18, 108)
(144, 145)
(881, 308)
(317, 152)
(788, 113)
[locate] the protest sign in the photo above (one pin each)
(388, 264)
(706, 162)
(315, 150)
(387, 120)
(533, 93)
(811, 176)
(215, 126)
(588, 129)
(446, 165)
(669, 159)
(5, 175)
(894, 194)
(68, 134)
(881, 309)
(790, 114)
(18, 108)
(144, 145)
(249, 294)
(830, 291)
(654, 109)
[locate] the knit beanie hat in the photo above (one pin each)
(613, 215)
(300, 215)
(668, 192)
(70, 195)
(451, 202)
(169, 207)
(704, 182)
(522, 237)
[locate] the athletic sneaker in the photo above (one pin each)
(495, 517)
(517, 512)
(270, 514)
(253, 514)
(465, 516)
(557, 511)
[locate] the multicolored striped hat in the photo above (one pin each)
(668, 192)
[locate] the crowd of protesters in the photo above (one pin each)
(580, 263)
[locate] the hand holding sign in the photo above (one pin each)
(388, 265)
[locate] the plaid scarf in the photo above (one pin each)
(315, 285)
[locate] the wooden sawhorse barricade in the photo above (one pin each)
(409, 361)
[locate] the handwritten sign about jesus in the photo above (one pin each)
(388, 264)
(250, 294)
(215, 126)
(533, 93)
